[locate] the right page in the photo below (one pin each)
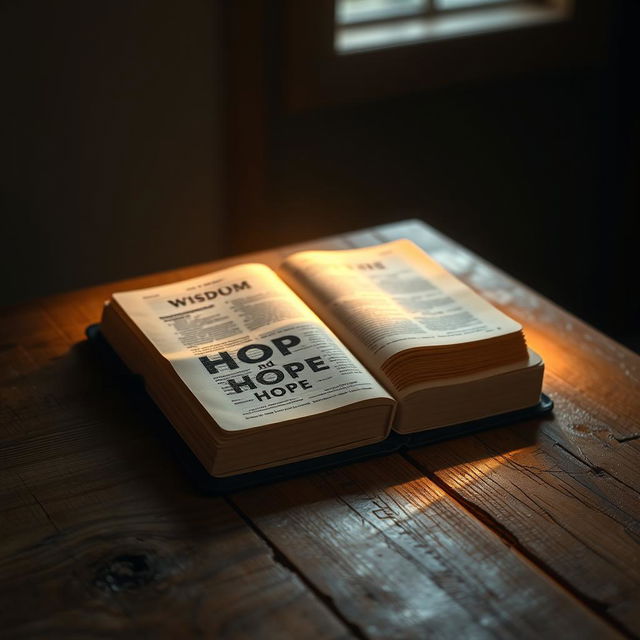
(389, 298)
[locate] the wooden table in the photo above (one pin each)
(532, 530)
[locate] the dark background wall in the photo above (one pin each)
(110, 156)
(113, 160)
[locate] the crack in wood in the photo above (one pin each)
(631, 436)
(281, 559)
(595, 469)
(37, 501)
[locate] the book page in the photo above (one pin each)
(392, 297)
(248, 348)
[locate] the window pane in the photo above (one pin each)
(351, 11)
(466, 4)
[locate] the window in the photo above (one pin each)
(364, 25)
(344, 51)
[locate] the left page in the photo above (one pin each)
(248, 348)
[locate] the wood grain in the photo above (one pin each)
(166, 567)
(400, 558)
(529, 530)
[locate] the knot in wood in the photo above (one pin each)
(126, 572)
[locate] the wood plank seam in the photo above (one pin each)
(512, 541)
(280, 558)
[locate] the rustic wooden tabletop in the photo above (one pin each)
(531, 530)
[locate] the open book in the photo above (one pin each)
(256, 368)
